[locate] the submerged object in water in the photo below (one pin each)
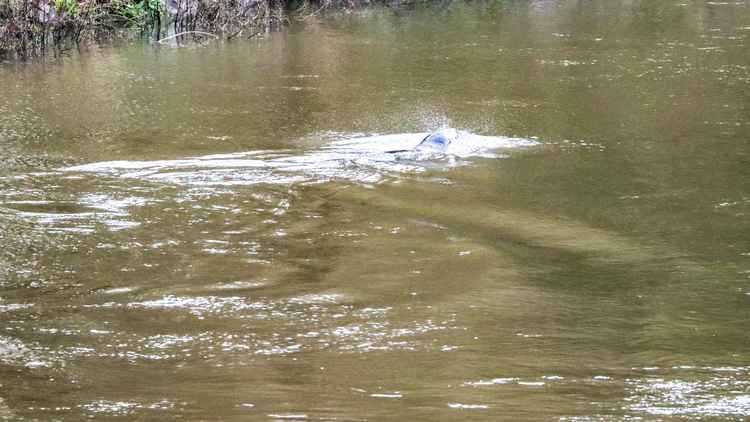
(363, 159)
(438, 141)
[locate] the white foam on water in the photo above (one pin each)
(468, 406)
(361, 159)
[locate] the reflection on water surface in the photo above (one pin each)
(218, 232)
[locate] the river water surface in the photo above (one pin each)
(219, 232)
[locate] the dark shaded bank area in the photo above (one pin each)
(31, 28)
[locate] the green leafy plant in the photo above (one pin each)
(67, 6)
(138, 13)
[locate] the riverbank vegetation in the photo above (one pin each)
(35, 27)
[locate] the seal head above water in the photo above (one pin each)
(437, 141)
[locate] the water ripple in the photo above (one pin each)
(365, 160)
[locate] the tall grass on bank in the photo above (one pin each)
(28, 26)
(225, 18)
(32, 27)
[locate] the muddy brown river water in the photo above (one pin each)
(218, 232)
